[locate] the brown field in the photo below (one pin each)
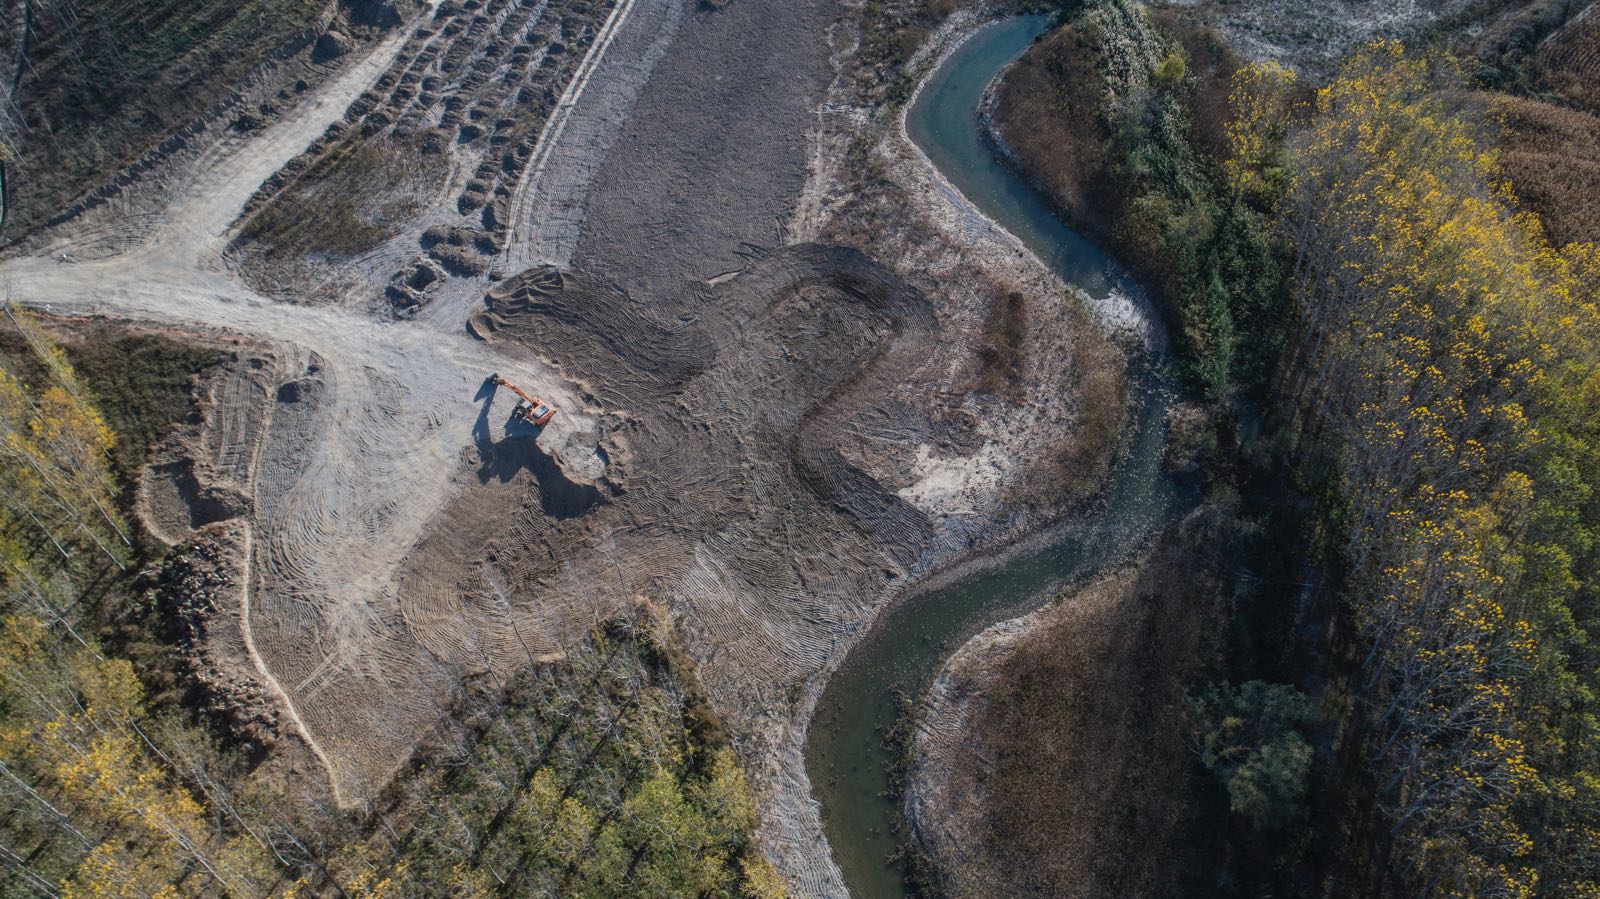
(1552, 156)
(1056, 762)
(418, 177)
(1102, 681)
(1049, 112)
(1569, 62)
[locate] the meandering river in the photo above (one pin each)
(848, 764)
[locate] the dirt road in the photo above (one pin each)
(396, 406)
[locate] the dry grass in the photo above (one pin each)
(341, 204)
(1050, 113)
(1094, 786)
(1003, 355)
(141, 381)
(1552, 156)
(1569, 62)
(1103, 396)
(892, 31)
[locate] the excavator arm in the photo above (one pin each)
(532, 409)
(502, 382)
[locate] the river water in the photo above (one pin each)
(846, 759)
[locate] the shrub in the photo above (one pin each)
(1250, 738)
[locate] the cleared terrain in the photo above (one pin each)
(343, 469)
(597, 201)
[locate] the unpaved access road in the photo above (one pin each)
(398, 402)
(362, 447)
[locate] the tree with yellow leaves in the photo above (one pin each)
(57, 507)
(1449, 353)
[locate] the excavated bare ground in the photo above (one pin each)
(733, 502)
(770, 442)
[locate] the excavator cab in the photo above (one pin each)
(537, 414)
(530, 409)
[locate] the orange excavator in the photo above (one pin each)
(530, 408)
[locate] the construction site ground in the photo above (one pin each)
(652, 214)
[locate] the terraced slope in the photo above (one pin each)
(415, 181)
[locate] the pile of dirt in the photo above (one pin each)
(727, 500)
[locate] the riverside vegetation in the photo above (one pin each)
(604, 774)
(1395, 371)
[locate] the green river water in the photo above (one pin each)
(846, 759)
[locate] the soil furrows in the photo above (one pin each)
(237, 403)
(463, 103)
(745, 523)
(713, 155)
(621, 346)
(547, 207)
(889, 519)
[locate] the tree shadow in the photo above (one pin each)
(519, 450)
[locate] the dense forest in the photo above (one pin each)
(1398, 367)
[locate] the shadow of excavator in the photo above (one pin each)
(518, 450)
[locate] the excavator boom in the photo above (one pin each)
(515, 389)
(532, 409)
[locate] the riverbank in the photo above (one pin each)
(1054, 743)
(962, 222)
(870, 187)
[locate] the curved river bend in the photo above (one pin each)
(847, 762)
